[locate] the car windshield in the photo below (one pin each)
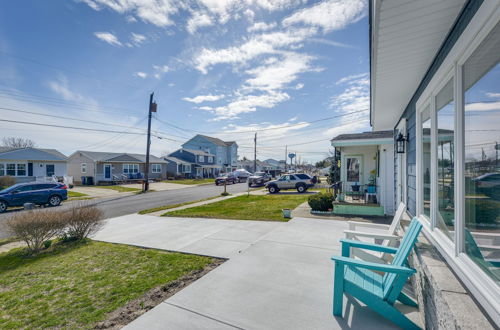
(259, 174)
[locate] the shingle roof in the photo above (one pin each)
(177, 160)
(31, 154)
(214, 140)
(365, 135)
(198, 152)
(107, 156)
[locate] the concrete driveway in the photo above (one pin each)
(278, 276)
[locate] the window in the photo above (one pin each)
(2, 169)
(156, 168)
(482, 167)
(304, 176)
(130, 168)
(50, 169)
(11, 169)
(210, 159)
(83, 168)
(445, 108)
(352, 169)
(426, 161)
(186, 168)
(201, 158)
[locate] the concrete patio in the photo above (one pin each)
(278, 276)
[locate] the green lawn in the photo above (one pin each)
(119, 188)
(75, 194)
(191, 181)
(253, 207)
(75, 285)
(172, 206)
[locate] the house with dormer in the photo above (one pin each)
(225, 152)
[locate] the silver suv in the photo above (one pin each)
(299, 181)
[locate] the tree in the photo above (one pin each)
(17, 142)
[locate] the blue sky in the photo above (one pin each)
(221, 67)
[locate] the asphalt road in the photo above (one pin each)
(122, 205)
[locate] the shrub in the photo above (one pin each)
(82, 220)
(320, 202)
(36, 227)
(7, 181)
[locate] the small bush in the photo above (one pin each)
(7, 181)
(47, 244)
(82, 220)
(36, 227)
(320, 202)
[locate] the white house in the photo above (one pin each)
(26, 164)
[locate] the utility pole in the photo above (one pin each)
(152, 108)
(255, 153)
(286, 156)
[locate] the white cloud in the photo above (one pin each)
(329, 15)
(493, 95)
(249, 14)
(261, 26)
(483, 106)
(299, 86)
(353, 79)
(61, 87)
(204, 98)
(157, 12)
(108, 37)
(161, 68)
(197, 20)
(278, 75)
(269, 43)
(141, 74)
(329, 42)
(138, 38)
(249, 103)
(131, 19)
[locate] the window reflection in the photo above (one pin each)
(445, 156)
(482, 166)
(426, 161)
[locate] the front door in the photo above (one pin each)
(353, 170)
(107, 171)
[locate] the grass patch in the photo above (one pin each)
(172, 206)
(76, 194)
(76, 285)
(253, 207)
(191, 181)
(119, 188)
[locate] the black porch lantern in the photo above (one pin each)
(400, 143)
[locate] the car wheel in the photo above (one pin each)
(54, 200)
(3, 206)
(273, 189)
(301, 188)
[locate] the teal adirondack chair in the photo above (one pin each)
(379, 292)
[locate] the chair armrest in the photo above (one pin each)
(352, 233)
(374, 266)
(354, 224)
(367, 246)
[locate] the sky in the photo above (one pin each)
(294, 71)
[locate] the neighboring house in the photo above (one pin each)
(28, 164)
(277, 164)
(368, 158)
(177, 167)
(435, 81)
(114, 166)
(225, 152)
(202, 164)
(261, 167)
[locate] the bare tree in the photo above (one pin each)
(17, 142)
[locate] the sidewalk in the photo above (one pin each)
(278, 276)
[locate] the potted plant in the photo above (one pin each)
(355, 187)
(372, 183)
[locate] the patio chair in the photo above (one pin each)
(384, 233)
(361, 279)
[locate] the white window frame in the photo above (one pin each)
(83, 168)
(482, 287)
(2, 169)
(155, 168)
(186, 168)
(131, 168)
(201, 158)
(210, 159)
(16, 166)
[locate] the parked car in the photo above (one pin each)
(228, 178)
(489, 184)
(259, 178)
(299, 181)
(242, 175)
(51, 194)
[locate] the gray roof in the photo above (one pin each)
(198, 152)
(365, 135)
(176, 160)
(31, 154)
(120, 157)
